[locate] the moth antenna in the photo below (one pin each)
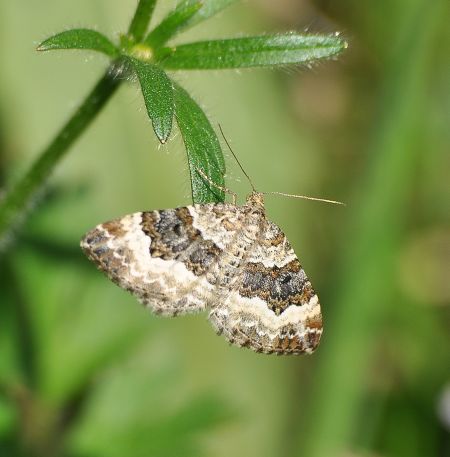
(237, 160)
(305, 197)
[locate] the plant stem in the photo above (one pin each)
(16, 202)
(18, 199)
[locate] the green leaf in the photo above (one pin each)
(172, 24)
(80, 39)
(209, 8)
(141, 18)
(268, 50)
(186, 14)
(202, 146)
(158, 96)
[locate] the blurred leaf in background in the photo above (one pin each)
(84, 371)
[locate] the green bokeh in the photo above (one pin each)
(85, 371)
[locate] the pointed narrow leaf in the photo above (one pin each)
(141, 19)
(158, 96)
(80, 39)
(268, 50)
(209, 8)
(202, 147)
(172, 24)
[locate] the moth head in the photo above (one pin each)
(255, 200)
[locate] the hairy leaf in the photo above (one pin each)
(267, 50)
(141, 18)
(158, 96)
(202, 146)
(208, 9)
(80, 39)
(173, 23)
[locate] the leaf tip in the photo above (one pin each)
(41, 47)
(342, 42)
(162, 130)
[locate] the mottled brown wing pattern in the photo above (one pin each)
(225, 258)
(157, 256)
(272, 307)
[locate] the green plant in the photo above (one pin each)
(148, 56)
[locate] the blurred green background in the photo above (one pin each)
(87, 372)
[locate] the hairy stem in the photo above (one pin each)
(16, 202)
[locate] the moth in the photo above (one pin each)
(226, 259)
(222, 258)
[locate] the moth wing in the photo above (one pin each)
(161, 257)
(272, 307)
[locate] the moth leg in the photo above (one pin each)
(222, 188)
